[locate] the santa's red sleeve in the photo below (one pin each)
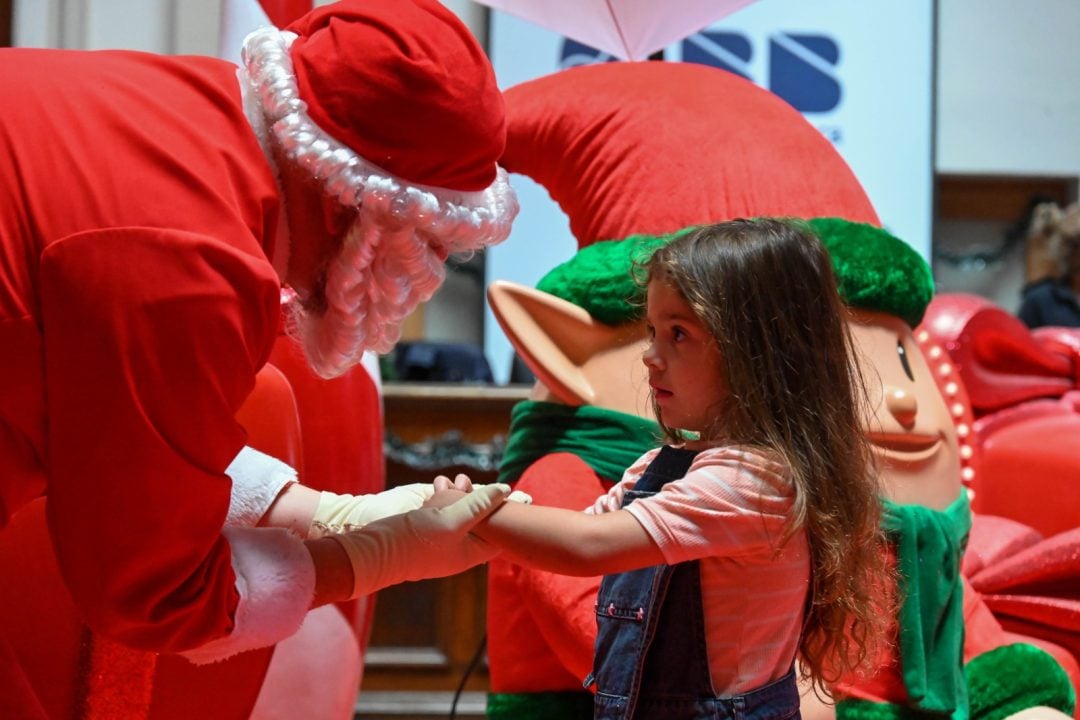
(152, 341)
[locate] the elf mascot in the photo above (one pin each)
(630, 151)
(949, 655)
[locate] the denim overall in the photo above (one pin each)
(642, 673)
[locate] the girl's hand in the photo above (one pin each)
(442, 498)
(460, 482)
(463, 484)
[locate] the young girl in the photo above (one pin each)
(751, 538)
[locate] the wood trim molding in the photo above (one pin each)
(999, 198)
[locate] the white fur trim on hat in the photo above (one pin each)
(275, 577)
(257, 480)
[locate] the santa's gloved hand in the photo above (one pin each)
(342, 513)
(420, 544)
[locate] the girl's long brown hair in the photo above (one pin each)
(765, 290)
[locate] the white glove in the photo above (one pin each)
(421, 544)
(608, 502)
(342, 513)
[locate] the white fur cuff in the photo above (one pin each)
(276, 580)
(257, 480)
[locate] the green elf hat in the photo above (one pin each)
(876, 270)
(633, 152)
(600, 278)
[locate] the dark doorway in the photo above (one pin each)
(5, 22)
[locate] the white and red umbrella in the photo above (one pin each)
(627, 29)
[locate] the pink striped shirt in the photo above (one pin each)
(729, 512)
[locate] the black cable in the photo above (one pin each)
(468, 673)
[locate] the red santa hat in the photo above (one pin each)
(390, 103)
(404, 84)
(653, 147)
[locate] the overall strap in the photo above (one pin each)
(670, 463)
(632, 605)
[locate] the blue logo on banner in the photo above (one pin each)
(801, 67)
(725, 50)
(801, 71)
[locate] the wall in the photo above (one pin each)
(1008, 87)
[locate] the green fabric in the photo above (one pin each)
(929, 545)
(540, 706)
(1000, 682)
(608, 441)
(600, 279)
(1013, 677)
(858, 709)
(876, 270)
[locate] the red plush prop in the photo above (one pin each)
(1023, 390)
(652, 147)
(998, 357)
(1029, 583)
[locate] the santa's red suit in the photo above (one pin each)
(139, 294)
(137, 302)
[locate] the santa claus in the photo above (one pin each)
(151, 209)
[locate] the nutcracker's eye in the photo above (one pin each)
(904, 360)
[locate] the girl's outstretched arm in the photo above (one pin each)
(569, 542)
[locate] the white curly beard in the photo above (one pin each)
(377, 279)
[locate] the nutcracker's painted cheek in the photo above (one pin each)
(909, 426)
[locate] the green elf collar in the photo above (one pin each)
(607, 440)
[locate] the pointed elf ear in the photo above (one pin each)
(555, 338)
